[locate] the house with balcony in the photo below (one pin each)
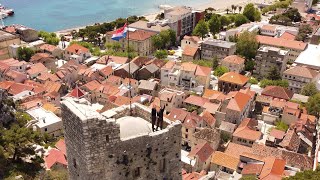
(231, 81)
(247, 133)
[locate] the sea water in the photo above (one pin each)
(54, 15)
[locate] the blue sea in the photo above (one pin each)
(54, 15)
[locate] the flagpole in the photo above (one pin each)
(130, 110)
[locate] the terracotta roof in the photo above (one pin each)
(268, 27)
(288, 36)
(194, 39)
(208, 118)
(52, 86)
(211, 107)
(278, 42)
(140, 60)
(308, 117)
(114, 79)
(116, 59)
(239, 102)
(48, 76)
(236, 150)
(273, 169)
(196, 100)
(17, 88)
(177, 114)
(277, 92)
(278, 134)
(137, 35)
(301, 72)
(48, 47)
(92, 85)
(190, 51)
(234, 59)
(132, 81)
(252, 169)
(61, 145)
(225, 160)
(122, 100)
(166, 96)
(51, 107)
(77, 93)
(169, 65)
(5, 85)
(192, 120)
(235, 78)
(203, 71)
(193, 175)
(291, 141)
(55, 157)
(247, 130)
(77, 49)
(15, 74)
(39, 56)
(37, 68)
(189, 66)
(31, 104)
(201, 151)
(209, 92)
(210, 135)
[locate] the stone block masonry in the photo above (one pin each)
(95, 149)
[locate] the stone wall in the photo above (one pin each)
(95, 151)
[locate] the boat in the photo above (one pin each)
(5, 10)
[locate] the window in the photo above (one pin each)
(74, 163)
(186, 136)
(136, 172)
(162, 165)
(186, 130)
(107, 138)
(45, 129)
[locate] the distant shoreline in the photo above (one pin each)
(218, 5)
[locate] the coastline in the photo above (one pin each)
(218, 5)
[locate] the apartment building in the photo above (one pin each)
(216, 48)
(268, 57)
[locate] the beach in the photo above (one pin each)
(219, 5)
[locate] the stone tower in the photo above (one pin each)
(114, 145)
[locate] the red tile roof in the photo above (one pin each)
(189, 66)
(203, 71)
(92, 85)
(196, 100)
(252, 169)
(277, 92)
(208, 118)
(239, 102)
(190, 51)
(5, 85)
(201, 151)
(39, 56)
(225, 160)
(77, 93)
(169, 65)
(17, 88)
(15, 75)
(48, 47)
(234, 78)
(36, 69)
(177, 114)
(288, 36)
(273, 169)
(234, 59)
(291, 141)
(138, 35)
(194, 39)
(77, 49)
(246, 130)
(122, 100)
(301, 72)
(268, 27)
(279, 42)
(61, 145)
(278, 134)
(55, 157)
(116, 59)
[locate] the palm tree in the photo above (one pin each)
(233, 8)
(227, 10)
(240, 8)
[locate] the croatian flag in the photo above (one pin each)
(120, 33)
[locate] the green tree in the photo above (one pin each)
(157, 41)
(25, 53)
(281, 20)
(240, 8)
(55, 174)
(172, 37)
(165, 38)
(304, 31)
(202, 62)
(266, 82)
(220, 70)
(201, 29)
(225, 21)
(215, 62)
(310, 89)
(307, 174)
(240, 19)
(293, 14)
(249, 65)
(280, 125)
(50, 38)
(250, 12)
(274, 73)
(161, 54)
(313, 105)
(248, 177)
(253, 80)
(247, 45)
(214, 24)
